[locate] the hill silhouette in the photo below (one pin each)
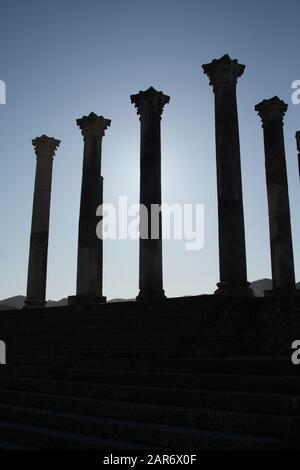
(16, 302)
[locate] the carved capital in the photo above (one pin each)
(224, 71)
(272, 110)
(45, 146)
(93, 125)
(150, 102)
(298, 140)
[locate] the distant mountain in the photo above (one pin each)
(6, 307)
(13, 302)
(261, 285)
(17, 302)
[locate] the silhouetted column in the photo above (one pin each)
(223, 75)
(298, 149)
(272, 112)
(90, 258)
(45, 148)
(149, 105)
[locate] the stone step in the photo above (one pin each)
(255, 314)
(208, 419)
(119, 376)
(58, 322)
(28, 326)
(227, 311)
(252, 383)
(226, 341)
(260, 365)
(103, 339)
(192, 325)
(83, 330)
(160, 350)
(181, 336)
(208, 303)
(126, 352)
(39, 437)
(7, 445)
(164, 349)
(216, 399)
(141, 433)
(171, 348)
(174, 343)
(111, 312)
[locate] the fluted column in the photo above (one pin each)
(90, 257)
(45, 148)
(272, 112)
(149, 105)
(223, 75)
(298, 149)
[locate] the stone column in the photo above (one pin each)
(89, 261)
(45, 148)
(223, 75)
(149, 105)
(272, 112)
(298, 149)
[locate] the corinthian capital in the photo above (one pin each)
(93, 125)
(272, 110)
(150, 102)
(45, 146)
(223, 71)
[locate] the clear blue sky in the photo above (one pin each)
(62, 59)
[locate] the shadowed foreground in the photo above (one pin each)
(203, 372)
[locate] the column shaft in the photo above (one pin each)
(37, 267)
(150, 105)
(90, 247)
(150, 262)
(223, 74)
(272, 113)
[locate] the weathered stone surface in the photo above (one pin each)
(45, 148)
(150, 104)
(272, 113)
(90, 247)
(223, 75)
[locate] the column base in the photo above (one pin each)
(34, 303)
(151, 295)
(85, 300)
(234, 290)
(282, 292)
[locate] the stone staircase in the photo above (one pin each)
(192, 373)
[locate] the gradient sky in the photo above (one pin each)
(63, 59)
